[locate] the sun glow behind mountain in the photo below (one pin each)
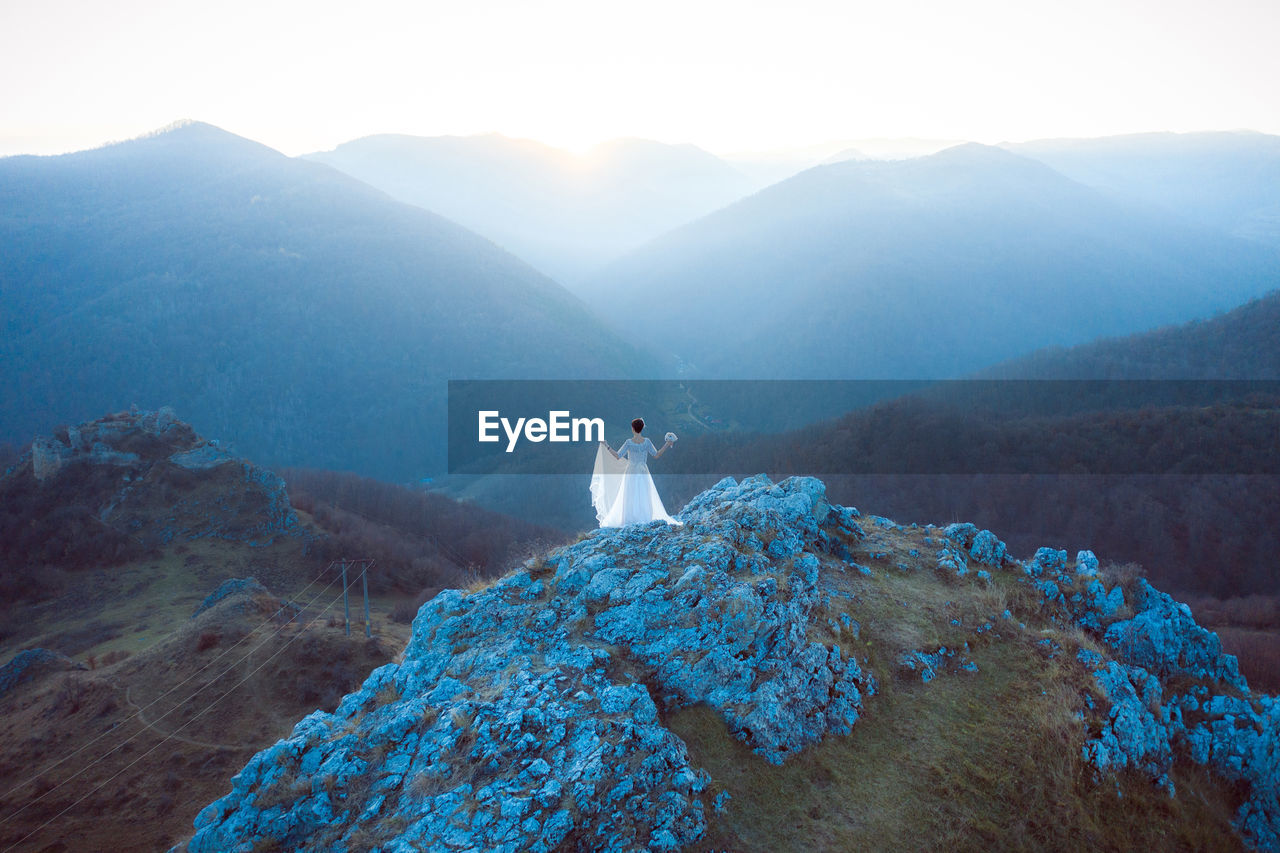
(717, 74)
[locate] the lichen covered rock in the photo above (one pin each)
(149, 476)
(983, 546)
(1164, 638)
(30, 664)
(228, 589)
(526, 716)
(529, 715)
(1216, 721)
(1240, 739)
(1137, 730)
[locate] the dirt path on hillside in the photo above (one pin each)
(200, 743)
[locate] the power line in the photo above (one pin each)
(191, 696)
(140, 710)
(197, 716)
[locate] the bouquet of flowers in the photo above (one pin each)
(671, 437)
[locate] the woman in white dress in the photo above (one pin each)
(622, 489)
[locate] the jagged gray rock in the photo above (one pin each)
(1217, 720)
(983, 545)
(1164, 638)
(527, 716)
(32, 663)
(227, 589)
(1137, 730)
(507, 723)
(244, 502)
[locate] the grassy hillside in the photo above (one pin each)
(146, 707)
(127, 748)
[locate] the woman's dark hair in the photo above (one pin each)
(637, 424)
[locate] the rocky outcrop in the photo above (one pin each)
(982, 546)
(1239, 737)
(529, 716)
(30, 664)
(151, 477)
(1136, 729)
(1170, 691)
(1163, 637)
(526, 716)
(98, 441)
(230, 588)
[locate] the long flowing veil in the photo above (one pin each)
(606, 481)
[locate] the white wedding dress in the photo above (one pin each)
(622, 489)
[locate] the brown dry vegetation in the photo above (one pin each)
(93, 745)
(968, 761)
(72, 583)
(421, 540)
(131, 606)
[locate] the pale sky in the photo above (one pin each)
(728, 76)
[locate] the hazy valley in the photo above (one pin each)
(223, 364)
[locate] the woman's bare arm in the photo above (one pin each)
(662, 451)
(612, 452)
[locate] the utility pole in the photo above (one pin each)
(346, 605)
(365, 565)
(364, 576)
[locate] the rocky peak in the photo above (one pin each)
(113, 440)
(530, 715)
(150, 476)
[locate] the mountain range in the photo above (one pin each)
(311, 319)
(1227, 181)
(571, 214)
(303, 316)
(567, 215)
(925, 268)
(1176, 475)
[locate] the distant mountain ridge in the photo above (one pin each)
(1243, 343)
(565, 214)
(306, 317)
(1202, 514)
(1229, 181)
(925, 268)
